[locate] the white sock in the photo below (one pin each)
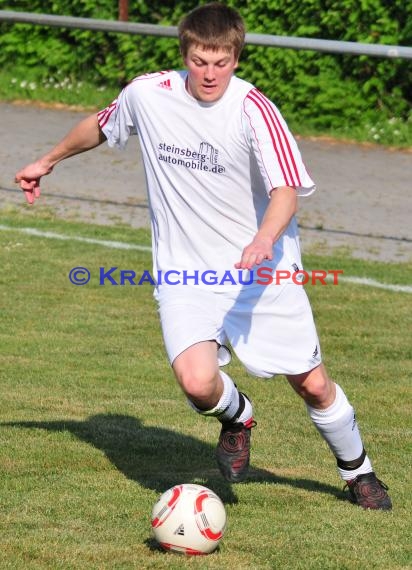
(339, 428)
(232, 405)
(348, 475)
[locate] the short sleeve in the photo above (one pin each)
(116, 121)
(276, 151)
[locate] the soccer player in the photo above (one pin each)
(223, 175)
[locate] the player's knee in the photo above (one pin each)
(316, 393)
(197, 384)
(315, 387)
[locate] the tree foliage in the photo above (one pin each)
(322, 90)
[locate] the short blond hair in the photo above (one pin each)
(212, 26)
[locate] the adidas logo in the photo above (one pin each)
(180, 530)
(165, 84)
(315, 352)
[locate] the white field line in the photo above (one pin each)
(130, 246)
(102, 242)
(373, 283)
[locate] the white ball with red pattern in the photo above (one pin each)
(189, 519)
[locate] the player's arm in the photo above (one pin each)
(84, 136)
(281, 208)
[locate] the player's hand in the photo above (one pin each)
(29, 179)
(256, 252)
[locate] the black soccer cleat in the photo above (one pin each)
(233, 450)
(369, 492)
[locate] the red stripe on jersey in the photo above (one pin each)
(279, 138)
(149, 76)
(104, 116)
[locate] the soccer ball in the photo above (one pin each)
(189, 519)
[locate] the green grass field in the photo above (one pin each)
(93, 428)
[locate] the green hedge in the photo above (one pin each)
(322, 90)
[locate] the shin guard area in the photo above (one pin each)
(232, 406)
(338, 426)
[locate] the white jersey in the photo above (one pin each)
(209, 170)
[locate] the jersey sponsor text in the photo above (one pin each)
(206, 158)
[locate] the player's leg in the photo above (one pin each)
(188, 317)
(212, 392)
(197, 372)
(334, 417)
(279, 337)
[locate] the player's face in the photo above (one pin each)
(209, 72)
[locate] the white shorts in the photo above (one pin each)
(270, 328)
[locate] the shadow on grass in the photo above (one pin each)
(159, 458)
